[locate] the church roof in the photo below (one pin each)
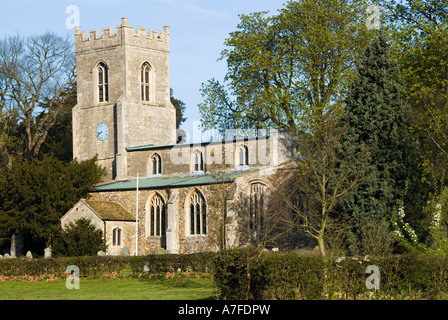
(110, 210)
(171, 182)
(151, 146)
(184, 145)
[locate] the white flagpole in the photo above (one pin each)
(136, 221)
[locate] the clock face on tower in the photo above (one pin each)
(102, 131)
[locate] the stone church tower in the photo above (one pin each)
(123, 95)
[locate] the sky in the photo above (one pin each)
(198, 29)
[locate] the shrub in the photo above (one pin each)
(79, 239)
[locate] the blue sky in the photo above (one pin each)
(198, 29)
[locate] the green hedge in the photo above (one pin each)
(239, 274)
(200, 262)
(243, 274)
(90, 266)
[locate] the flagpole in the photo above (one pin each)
(136, 221)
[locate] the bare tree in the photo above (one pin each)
(306, 198)
(36, 75)
(326, 176)
(10, 141)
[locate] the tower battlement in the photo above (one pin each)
(124, 35)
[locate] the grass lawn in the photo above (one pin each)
(111, 289)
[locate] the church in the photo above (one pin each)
(163, 194)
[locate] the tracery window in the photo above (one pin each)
(257, 211)
(198, 214)
(157, 221)
(299, 209)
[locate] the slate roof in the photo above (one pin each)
(151, 146)
(185, 145)
(171, 182)
(110, 210)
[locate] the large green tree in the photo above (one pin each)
(286, 69)
(377, 116)
(420, 34)
(35, 194)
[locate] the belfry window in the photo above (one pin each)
(103, 83)
(145, 81)
(198, 214)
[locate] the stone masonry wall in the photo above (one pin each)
(131, 121)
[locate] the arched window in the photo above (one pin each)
(299, 209)
(103, 83)
(156, 164)
(157, 220)
(198, 161)
(146, 81)
(257, 212)
(116, 236)
(198, 214)
(243, 156)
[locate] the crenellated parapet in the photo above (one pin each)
(124, 35)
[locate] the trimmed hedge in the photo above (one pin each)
(242, 274)
(88, 266)
(200, 262)
(239, 274)
(91, 266)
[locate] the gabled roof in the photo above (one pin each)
(109, 210)
(171, 182)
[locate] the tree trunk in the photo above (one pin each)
(320, 241)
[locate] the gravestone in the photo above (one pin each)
(29, 255)
(101, 253)
(47, 253)
(125, 251)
